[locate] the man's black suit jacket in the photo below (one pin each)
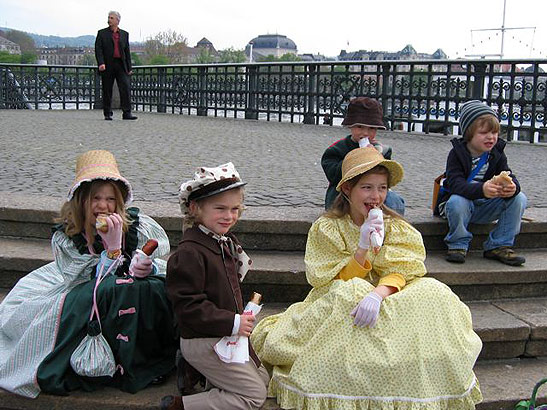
(104, 49)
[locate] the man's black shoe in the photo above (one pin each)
(107, 118)
(129, 117)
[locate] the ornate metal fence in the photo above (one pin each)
(416, 95)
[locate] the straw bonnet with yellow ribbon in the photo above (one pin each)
(361, 160)
(99, 164)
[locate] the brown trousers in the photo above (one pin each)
(235, 385)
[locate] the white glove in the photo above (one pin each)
(366, 312)
(373, 223)
(141, 265)
(364, 142)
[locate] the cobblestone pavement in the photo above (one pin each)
(280, 161)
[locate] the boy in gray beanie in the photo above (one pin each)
(473, 191)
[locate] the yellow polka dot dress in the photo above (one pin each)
(420, 354)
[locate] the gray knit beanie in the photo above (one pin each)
(472, 110)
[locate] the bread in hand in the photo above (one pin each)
(100, 223)
(502, 179)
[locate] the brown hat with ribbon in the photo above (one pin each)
(361, 160)
(99, 164)
(364, 111)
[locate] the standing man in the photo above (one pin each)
(114, 60)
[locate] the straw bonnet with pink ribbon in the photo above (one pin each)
(99, 164)
(208, 182)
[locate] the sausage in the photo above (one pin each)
(150, 246)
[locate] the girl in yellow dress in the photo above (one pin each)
(373, 333)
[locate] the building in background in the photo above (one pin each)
(65, 55)
(269, 44)
(9, 46)
(407, 53)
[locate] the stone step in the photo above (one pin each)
(508, 327)
(3, 293)
(261, 228)
(503, 384)
(280, 276)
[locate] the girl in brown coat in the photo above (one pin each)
(203, 277)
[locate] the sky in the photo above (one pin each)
(318, 27)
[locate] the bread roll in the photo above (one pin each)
(100, 223)
(503, 178)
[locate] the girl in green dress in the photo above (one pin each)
(45, 316)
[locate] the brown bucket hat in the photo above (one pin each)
(364, 111)
(361, 160)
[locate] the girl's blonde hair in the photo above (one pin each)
(75, 213)
(193, 218)
(341, 206)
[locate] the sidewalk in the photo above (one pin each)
(280, 161)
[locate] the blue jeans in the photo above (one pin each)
(460, 212)
(395, 202)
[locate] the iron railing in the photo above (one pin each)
(416, 95)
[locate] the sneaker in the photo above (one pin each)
(506, 255)
(456, 255)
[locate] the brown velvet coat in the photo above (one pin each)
(204, 287)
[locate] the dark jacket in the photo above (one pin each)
(458, 168)
(104, 49)
(331, 161)
(204, 288)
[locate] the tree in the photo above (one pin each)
(159, 60)
(289, 57)
(6, 57)
(135, 59)
(88, 59)
(232, 56)
(284, 57)
(28, 57)
(205, 57)
(22, 39)
(169, 44)
(268, 58)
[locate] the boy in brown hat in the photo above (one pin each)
(363, 118)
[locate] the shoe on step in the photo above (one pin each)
(171, 403)
(456, 255)
(506, 255)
